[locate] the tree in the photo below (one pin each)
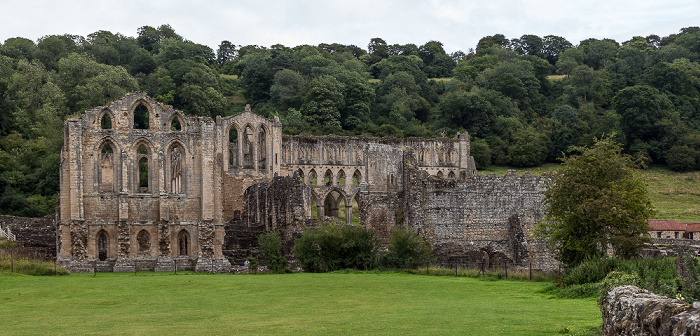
(407, 249)
(596, 201)
(271, 248)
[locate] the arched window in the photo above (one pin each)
(312, 177)
(314, 208)
(176, 124)
(301, 175)
(107, 168)
(262, 150)
(341, 178)
(355, 212)
(248, 150)
(328, 178)
(141, 117)
(176, 162)
(356, 178)
(142, 155)
(440, 175)
(105, 121)
(144, 240)
(451, 175)
(102, 246)
(183, 242)
(233, 147)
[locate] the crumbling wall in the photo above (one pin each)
(630, 310)
(35, 234)
(486, 218)
(276, 205)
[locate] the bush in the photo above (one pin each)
(331, 247)
(615, 279)
(271, 246)
(407, 249)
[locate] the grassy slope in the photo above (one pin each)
(289, 303)
(675, 195)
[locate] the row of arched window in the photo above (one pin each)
(143, 167)
(328, 178)
(140, 120)
(143, 243)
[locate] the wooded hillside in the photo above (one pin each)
(523, 100)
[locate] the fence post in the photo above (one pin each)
(175, 262)
(531, 271)
(505, 264)
(55, 271)
(12, 259)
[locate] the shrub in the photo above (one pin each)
(31, 267)
(271, 246)
(253, 264)
(615, 279)
(407, 249)
(331, 247)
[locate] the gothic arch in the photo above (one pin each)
(248, 147)
(106, 119)
(341, 180)
(331, 201)
(107, 165)
(300, 172)
(312, 178)
(183, 243)
(102, 245)
(451, 175)
(144, 166)
(176, 123)
(262, 148)
(233, 136)
(136, 117)
(440, 174)
(176, 167)
(356, 178)
(143, 239)
(328, 175)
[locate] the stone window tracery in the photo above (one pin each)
(141, 117)
(106, 168)
(143, 169)
(176, 163)
(102, 245)
(183, 242)
(262, 150)
(105, 121)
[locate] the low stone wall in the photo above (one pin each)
(630, 310)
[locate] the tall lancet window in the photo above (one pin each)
(176, 156)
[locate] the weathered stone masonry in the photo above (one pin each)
(144, 187)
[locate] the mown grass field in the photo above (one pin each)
(675, 195)
(301, 303)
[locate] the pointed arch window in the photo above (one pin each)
(233, 147)
(176, 124)
(141, 117)
(102, 246)
(105, 121)
(262, 150)
(107, 168)
(176, 164)
(248, 148)
(143, 180)
(183, 243)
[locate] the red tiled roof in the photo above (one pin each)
(666, 225)
(693, 227)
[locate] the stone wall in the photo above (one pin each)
(37, 235)
(630, 310)
(486, 218)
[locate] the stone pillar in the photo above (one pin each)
(348, 213)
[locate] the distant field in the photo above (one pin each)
(675, 195)
(348, 304)
(556, 77)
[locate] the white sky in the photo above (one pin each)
(457, 24)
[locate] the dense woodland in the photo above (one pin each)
(523, 100)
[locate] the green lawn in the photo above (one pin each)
(675, 195)
(347, 304)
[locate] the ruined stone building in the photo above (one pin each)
(143, 186)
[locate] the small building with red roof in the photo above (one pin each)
(669, 229)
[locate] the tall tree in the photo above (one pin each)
(595, 201)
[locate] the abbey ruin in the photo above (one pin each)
(143, 186)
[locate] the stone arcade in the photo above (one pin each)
(144, 186)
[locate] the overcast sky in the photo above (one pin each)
(457, 24)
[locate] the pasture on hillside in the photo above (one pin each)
(674, 195)
(301, 303)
